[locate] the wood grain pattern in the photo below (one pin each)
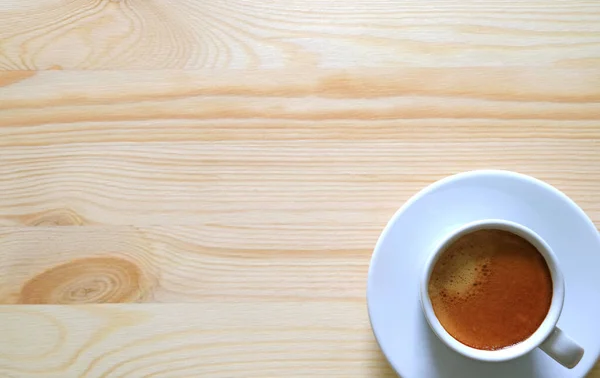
(210, 339)
(189, 34)
(204, 181)
(100, 264)
(192, 148)
(244, 193)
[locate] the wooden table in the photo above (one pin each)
(222, 169)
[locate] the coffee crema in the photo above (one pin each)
(490, 289)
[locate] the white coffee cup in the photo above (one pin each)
(548, 337)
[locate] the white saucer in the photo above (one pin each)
(393, 285)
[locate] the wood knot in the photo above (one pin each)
(92, 280)
(55, 217)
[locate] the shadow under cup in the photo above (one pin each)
(547, 336)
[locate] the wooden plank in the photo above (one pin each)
(216, 339)
(79, 265)
(320, 154)
(190, 34)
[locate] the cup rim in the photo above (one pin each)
(547, 325)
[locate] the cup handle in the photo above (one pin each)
(562, 349)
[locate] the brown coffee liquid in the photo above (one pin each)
(490, 289)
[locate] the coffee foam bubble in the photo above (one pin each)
(460, 270)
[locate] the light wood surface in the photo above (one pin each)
(242, 34)
(219, 171)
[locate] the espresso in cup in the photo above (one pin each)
(490, 289)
